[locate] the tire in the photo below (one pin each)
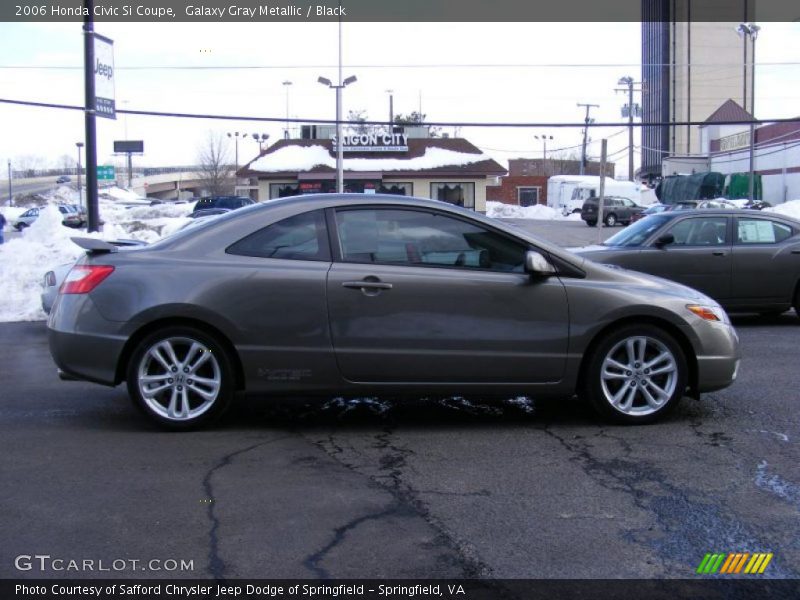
(797, 301)
(618, 356)
(21, 226)
(591, 223)
(181, 402)
(611, 220)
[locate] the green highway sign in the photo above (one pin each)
(106, 172)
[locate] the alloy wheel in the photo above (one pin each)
(179, 378)
(638, 376)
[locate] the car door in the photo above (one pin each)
(700, 255)
(766, 261)
(418, 296)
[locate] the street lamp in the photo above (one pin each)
(751, 30)
(391, 111)
(79, 145)
(544, 139)
(10, 189)
(260, 140)
(235, 135)
(286, 84)
(339, 145)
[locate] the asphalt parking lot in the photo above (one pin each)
(372, 487)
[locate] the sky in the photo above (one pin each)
(470, 72)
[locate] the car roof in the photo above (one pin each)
(727, 212)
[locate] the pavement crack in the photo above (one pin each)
(392, 464)
(216, 565)
(312, 561)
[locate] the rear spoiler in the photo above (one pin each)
(94, 246)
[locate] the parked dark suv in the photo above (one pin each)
(615, 210)
(228, 202)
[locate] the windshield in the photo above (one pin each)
(638, 232)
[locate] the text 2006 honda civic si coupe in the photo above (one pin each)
(350, 294)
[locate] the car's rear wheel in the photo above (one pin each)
(611, 220)
(636, 375)
(591, 223)
(181, 377)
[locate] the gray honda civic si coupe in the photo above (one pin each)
(354, 294)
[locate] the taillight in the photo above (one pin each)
(84, 278)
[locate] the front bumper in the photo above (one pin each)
(718, 361)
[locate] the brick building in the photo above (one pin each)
(526, 182)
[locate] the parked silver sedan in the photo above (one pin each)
(746, 260)
(354, 294)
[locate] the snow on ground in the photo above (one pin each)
(791, 208)
(46, 243)
(500, 210)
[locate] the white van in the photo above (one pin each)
(567, 193)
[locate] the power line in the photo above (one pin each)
(283, 119)
(409, 66)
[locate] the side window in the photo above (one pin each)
(700, 231)
(419, 238)
(761, 231)
(301, 237)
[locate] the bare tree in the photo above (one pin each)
(216, 171)
(28, 164)
(65, 162)
(357, 118)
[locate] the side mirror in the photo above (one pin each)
(537, 264)
(664, 240)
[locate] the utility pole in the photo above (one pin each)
(601, 200)
(630, 110)
(286, 85)
(587, 121)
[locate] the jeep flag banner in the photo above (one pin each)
(104, 77)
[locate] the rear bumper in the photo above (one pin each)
(83, 344)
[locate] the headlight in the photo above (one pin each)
(714, 313)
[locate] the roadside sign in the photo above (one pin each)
(106, 172)
(104, 77)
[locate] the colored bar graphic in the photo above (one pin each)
(733, 562)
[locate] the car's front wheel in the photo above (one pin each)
(635, 375)
(181, 377)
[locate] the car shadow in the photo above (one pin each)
(788, 319)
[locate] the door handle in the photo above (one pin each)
(368, 285)
(718, 253)
(796, 251)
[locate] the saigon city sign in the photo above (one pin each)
(373, 142)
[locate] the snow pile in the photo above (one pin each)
(115, 193)
(46, 244)
(790, 208)
(305, 158)
(11, 213)
(24, 260)
(500, 210)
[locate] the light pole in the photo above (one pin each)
(286, 85)
(544, 139)
(260, 140)
(339, 144)
(588, 121)
(391, 111)
(79, 145)
(236, 135)
(751, 30)
(10, 189)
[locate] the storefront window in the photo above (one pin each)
(398, 189)
(281, 190)
(460, 194)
